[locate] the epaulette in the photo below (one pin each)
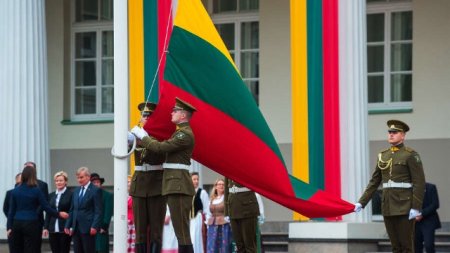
(410, 150)
(384, 150)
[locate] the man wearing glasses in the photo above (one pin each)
(149, 206)
(400, 173)
(177, 184)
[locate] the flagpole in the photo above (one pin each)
(120, 123)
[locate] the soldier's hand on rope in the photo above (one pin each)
(139, 132)
(358, 207)
(130, 138)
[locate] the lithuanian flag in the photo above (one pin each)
(231, 135)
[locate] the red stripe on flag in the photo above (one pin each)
(224, 145)
(165, 26)
(331, 98)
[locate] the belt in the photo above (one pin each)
(148, 167)
(236, 189)
(175, 166)
(392, 184)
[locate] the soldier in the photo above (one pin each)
(149, 206)
(241, 206)
(400, 173)
(177, 184)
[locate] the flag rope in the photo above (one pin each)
(164, 52)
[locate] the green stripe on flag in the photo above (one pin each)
(315, 94)
(199, 68)
(302, 190)
(150, 47)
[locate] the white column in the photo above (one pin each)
(353, 108)
(23, 91)
(120, 123)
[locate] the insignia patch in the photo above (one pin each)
(180, 135)
(417, 158)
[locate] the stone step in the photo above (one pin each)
(440, 246)
(275, 241)
(275, 236)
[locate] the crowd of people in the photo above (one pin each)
(168, 211)
(81, 215)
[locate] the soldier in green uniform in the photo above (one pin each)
(400, 173)
(149, 206)
(242, 209)
(177, 184)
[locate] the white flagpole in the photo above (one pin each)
(120, 123)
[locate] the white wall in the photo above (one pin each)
(275, 68)
(66, 136)
(430, 118)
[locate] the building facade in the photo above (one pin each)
(405, 76)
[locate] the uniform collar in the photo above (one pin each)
(397, 147)
(182, 124)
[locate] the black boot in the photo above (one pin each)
(141, 247)
(155, 247)
(185, 248)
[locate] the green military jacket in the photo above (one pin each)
(146, 183)
(403, 165)
(240, 205)
(178, 150)
(102, 240)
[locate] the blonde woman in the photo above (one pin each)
(219, 230)
(54, 227)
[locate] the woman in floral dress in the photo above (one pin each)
(219, 230)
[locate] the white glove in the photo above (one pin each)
(130, 138)
(413, 213)
(226, 219)
(358, 207)
(260, 220)
(139, 132)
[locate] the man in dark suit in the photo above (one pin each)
(85, 213)
(428, 221)
(43, 186)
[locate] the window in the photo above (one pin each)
(92, 62)
(389, 55)
(238, 24)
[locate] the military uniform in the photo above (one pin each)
(242, 208)
(177, 183)
(149, 205)
(400, 173)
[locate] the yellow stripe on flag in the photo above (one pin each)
(136, 61)
(299, 70)
(206, 30)
(136, 57)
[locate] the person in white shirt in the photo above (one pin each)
(199, 212)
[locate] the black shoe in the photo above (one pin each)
(155, 247)
(185, 249)
(141, 247)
